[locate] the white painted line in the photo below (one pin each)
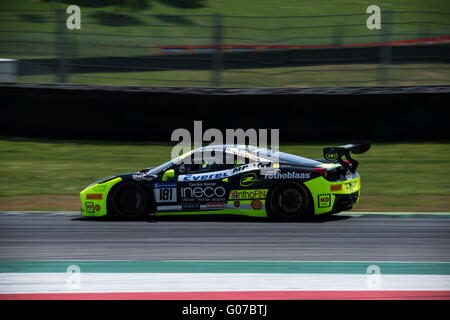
(182, 282)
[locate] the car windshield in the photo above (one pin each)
(161, 168)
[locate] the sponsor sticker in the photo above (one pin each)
(205, 176)
(324, 200)
(191, 206)
(239, 169)
(256, 204)
(287, 175)
(248, 179)
(336, 187)
(97, 207)
(142, 176)
(94, 196)
(203, 193)
(351, 186)
(89, 207)
(331, 155)
(248, 194)
(171, 184)
(215, 205)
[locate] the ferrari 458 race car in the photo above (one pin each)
(233, 179)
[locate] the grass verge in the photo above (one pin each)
(48, 175)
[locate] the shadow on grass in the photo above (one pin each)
(213, 218)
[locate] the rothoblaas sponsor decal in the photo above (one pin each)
(287, 175)
(248, 194)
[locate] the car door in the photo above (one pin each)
(204, 186)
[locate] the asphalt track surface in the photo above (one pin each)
(50, 236)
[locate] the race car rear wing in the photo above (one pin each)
(336, 154)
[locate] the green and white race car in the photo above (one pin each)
(232, 179)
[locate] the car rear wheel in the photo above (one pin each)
(289, 201)
(130, 201)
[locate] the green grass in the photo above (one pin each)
(329, 75)
(44, 168)
(96, 25)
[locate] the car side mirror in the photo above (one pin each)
(169, 174)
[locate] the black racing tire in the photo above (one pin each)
(130, 201)
(289, 201)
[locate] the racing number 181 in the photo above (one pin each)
(165, 194)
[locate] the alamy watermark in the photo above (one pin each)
(374, 20)
(73, 280)
(373, 282)
(73, 21)
(253, 137)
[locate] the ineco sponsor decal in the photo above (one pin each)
(248, 194)
(200, 193)
(94, 196)
(287, 175)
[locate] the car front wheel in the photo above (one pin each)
(130, 201)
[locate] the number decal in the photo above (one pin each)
(166, 195)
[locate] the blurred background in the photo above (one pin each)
(256, 43)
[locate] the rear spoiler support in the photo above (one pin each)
(336, 154)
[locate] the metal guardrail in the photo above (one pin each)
(40, 38)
